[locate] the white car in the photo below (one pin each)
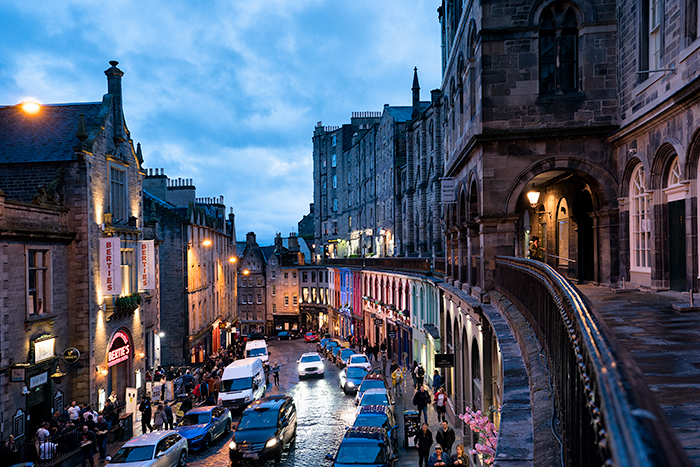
(310, 363)
(360, 359)
(158, 448)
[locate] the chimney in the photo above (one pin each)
(114, 89)
(293, 242)
(278, 243)
(250, 239)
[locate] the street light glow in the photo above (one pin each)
(246, 272)
(232, 259)
(30, 107)
(206, 242)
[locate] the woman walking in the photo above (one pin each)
(159, 418)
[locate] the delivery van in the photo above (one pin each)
(258, 349)
(242, 382)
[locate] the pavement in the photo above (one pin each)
(665, 345)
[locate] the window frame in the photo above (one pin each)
(124, 210)
(639, 221)
(47, 279)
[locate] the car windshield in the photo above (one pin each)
(309, 334)
(310, 358)
(361, 453)
(257, 419)
(356, 372)
(237, 384)
(133, 454)
(346, 353)
(257, 352)
(369, 420)
(195, 419)
(371, 384)
(374, 399)
(332, 344)
(359, 359)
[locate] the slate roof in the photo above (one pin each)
(48, 136)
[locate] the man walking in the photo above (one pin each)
(87, 444)
(101, 436)
(421, 400)
(424, 440)
(276, 374)
(145, 409)
(445, 437)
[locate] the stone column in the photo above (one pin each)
(497, 235)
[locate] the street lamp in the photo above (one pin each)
(533, 197)
(246, 272)
(206, 242)
(232, 259)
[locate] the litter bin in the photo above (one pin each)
(126, 427)
(411, 425)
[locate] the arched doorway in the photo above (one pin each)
(477, 398)
(675, 192)
(119, 362)
(586, 255)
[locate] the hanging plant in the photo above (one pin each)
(127, 303)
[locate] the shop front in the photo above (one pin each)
(286, 322)
(200, 345)
(120, 362)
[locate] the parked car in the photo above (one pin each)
(311, 337)
(376, 397)
(335, 352)
(344, 356)
(284, 335)
(158, 448)
(360, 359)
(350, 378)
(266, 427)
(202, 425)
(310, 363)
(255, 336)
(330, 345)
(321, 345)
(379, 416)
(367, 446)
(371, 381)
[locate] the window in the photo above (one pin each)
(274, 308)
(304, 276)
(335, 204)
(654, 34)
(334, 160)
(692, 13)
(335, 181)
(563, 232)
(333, 141)
(295, 300)
(558, 50)
(313, 276)
(286, 299)
(274, 290)
(38, 282)
(259, 281)
(640, 224)
(259, 299)
(128, 271)
(117, 193)
(273, 275)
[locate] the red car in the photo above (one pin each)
(311, 337)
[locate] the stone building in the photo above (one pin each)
(252, 289)
(198, 276)
(88, 172)
(283, 283)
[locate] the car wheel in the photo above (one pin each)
(227, 429)
(207, 441)
(183, 458)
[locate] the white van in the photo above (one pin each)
(243, 381)
(258, 349)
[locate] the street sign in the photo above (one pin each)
(444, 360)
(392, 334)
(378, 322)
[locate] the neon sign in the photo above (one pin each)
(118, 352)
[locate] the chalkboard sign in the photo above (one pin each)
(392, 334)
(444, 360)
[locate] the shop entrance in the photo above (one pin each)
(119, 364)
(676, 245)
(38, 407)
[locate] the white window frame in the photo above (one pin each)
(640, 222)
(655, 34)
(44, 274)
(563, 226)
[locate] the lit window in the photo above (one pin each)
(38, 282)
(286, 299)
(333, 160)
(563, 232)
(335, 181)
(640, 223)
(274, 290)
(295, 300)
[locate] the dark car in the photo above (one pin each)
(321, 345)
(335, 352)
(371, 381)
(351, 377)
(379, 416)
(367, 446)
(343, 356)
(255, 336)
(266, 427)
(284, 335)
(202, 425)
(330, 345)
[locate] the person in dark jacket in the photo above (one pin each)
(186, 405)
(168, 416)
(87, 445)
(145, 409)
(101, 430)
(421, 400)
(445, 437)
(424, 441)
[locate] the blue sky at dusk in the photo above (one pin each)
(226, 93)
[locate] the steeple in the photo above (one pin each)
(416, 94)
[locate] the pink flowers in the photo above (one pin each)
(488, 435)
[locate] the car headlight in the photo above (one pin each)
(247, 398)
(232, 445)
(350, 384)
(271, 442)
(197, 438)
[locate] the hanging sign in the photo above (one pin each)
(119, 349)
(71, 355)
(110, 266)
(147, 265)
(447, 192)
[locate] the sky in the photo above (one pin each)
(226, 92)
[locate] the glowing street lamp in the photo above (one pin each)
(206, 242)
(232, 259)
(533, 197)
(246, 272)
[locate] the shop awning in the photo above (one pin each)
(433, 331)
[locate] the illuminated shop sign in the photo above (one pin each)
(147, 267)
(110, 266)
(119, 350)
(43, 350)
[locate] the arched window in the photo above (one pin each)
(674, 173)
(563, 232)
(558, 49)
(640, 223)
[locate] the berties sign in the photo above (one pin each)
(147, 266)
(110, 266)
(119, 349)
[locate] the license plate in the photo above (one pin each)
(250, 455)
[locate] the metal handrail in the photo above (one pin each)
(608, 416)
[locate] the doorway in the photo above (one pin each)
(584, 223)
(676, 245)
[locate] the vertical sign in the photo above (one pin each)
(110, 266)
(147, 266)
(447, 192)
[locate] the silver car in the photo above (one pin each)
(156, 449)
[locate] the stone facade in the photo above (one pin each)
(252, 289)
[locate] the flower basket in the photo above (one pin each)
(127, 304)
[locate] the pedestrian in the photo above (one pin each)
(393, 366)
(420, 375)
(102, 428)
(186, 406)
(74, 412)
(169, 419)
(87, 444)
(397, 380)
(441, 405)
(47, 450)
(375, 351)
(460, 457)
(437, 381)
(216, 385)
(445, 437)
(421, 400)
(188, 380)
(276, 374)
(43, 432)
(535, 250)
(145, 409)
(159, 418)
(424, 441)
(438, 458)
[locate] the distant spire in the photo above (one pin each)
(139, 156)
(82, 133)
(416, 94)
